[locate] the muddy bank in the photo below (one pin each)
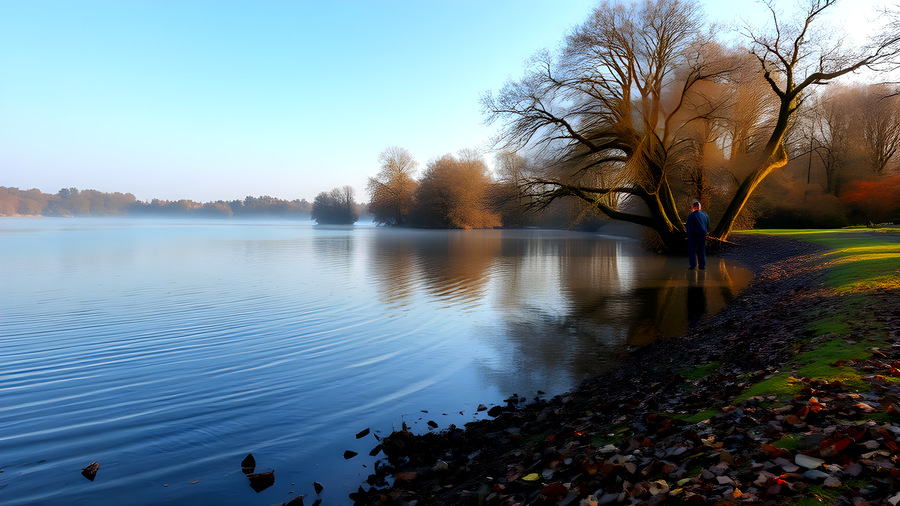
(651, 432)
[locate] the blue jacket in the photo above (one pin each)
(698, 223)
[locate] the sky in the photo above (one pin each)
(220, 99)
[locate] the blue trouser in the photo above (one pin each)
(697, 250)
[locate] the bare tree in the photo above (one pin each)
(616, 110)
(793, 57)
(392, 191)
(609, 110)
(880, 125)
(337, 207)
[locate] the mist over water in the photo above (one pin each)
(168, 350)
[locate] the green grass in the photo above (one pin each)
(706, 414)
(817, 363)
(614, 435)
(699, 372)
(859, 260)
(832, 324)
(790, 442)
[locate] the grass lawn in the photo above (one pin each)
(857, 264)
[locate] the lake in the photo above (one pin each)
(169, 350)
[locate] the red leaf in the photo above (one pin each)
(773, 450)
(555, 490)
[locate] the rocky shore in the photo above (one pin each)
(680, 421)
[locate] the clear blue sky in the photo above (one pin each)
(217, 99)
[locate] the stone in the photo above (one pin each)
(815, 474)
(831, 481)
(807, 461)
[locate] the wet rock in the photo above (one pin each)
(815, 474)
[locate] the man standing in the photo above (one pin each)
(697, 230)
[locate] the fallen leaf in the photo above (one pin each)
(349, 454)
(90, 471)
(407, 477)
(773, 450)
(261, 481)
(555, 491)
(531, 477)
(432, 424)
(363, 433)
(248, 465)
(318, 486)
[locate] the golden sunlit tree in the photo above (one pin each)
(392, 191)
(455, 193)
(616, 111)
(796, 55)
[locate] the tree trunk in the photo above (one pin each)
(773, 157)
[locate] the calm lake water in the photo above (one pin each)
(169, 350)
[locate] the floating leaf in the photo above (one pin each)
(318, 486)
(363, 433)
(261, 481)
(349, 454)
(248, 465)
(90, 471)
(432, 424)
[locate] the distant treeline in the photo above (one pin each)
(75, 202)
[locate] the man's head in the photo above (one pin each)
(696, 206)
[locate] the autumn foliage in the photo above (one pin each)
(878, 199)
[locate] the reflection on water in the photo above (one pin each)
(167, 351)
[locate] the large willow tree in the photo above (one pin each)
(611, 112)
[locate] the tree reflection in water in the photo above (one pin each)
(565, 304)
